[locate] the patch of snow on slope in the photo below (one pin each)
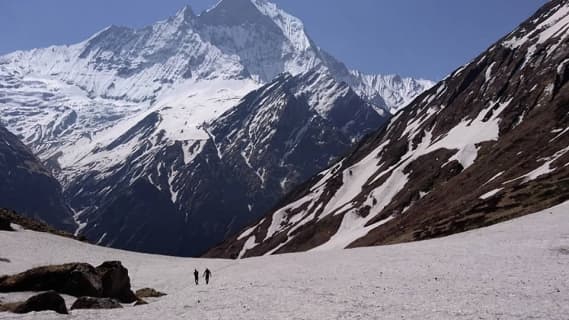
(494, 177)
(545, 168)
(352, 228)
(249, 244)
(467, 134)
(490, 194)
(354, 178)
(555, 25)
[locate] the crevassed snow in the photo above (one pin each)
(513, 270)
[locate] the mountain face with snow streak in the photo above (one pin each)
(185, 198)
(28, 186)
(151, 131)
(487, 144)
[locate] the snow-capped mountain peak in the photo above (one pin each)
(130, 115)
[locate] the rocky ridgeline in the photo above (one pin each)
(9, 217)
(485, 145)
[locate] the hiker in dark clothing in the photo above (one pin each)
(207, 275)
(196, 276)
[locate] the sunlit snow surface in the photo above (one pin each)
(515, 270)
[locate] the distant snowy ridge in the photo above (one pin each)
(396, 91)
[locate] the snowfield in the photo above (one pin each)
(515, 270)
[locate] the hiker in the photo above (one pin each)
(196, 276)
(206, 275)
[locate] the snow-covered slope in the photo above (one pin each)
(488, 143)
(127, 119)
(514, 270)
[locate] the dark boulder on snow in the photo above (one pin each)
(5, 225)
(149, 293)
(76, 279)
(116, 282)
(110, 279)
(50, 300)
(95, 303)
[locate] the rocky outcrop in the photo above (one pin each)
(95, 303)
(12, 217)
(77, 279)
(50, 300)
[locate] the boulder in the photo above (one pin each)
(76, 279)
(110, 280)
(95, 303)
(5, 224)
(116, 282)
(149, 293)
(50, 300)
(8, 306)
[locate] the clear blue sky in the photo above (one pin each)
(421, 38)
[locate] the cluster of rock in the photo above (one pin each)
(102, 287)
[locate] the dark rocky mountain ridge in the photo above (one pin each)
(28, 187)
(487, 144)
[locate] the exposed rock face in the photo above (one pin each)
(115, 281)
(50, 300)
(95, 303)
(487, 144)
(28, 187)
(77, 279)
